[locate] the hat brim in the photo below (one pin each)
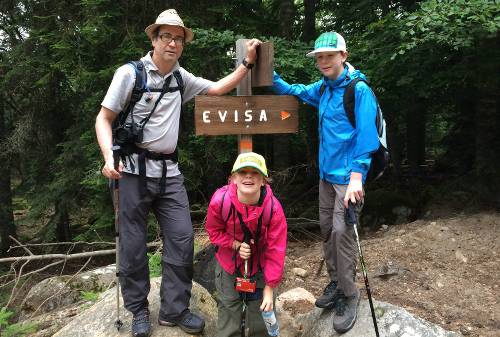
(323, 49)
(188, 33)
(252, 165)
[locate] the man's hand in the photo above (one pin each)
(245, 251)
(355, 190)
(252, 50)
(267, 299)
(109, 167)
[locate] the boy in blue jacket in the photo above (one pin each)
(344, 160)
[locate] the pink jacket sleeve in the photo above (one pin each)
(273, 259)
(214, 225)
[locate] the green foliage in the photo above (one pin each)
(14, 330)
(155, 264)
(89, 296)
(457, 24)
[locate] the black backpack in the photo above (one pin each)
(140, 87)
(380, 158)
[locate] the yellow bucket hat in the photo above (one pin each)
(250, 159)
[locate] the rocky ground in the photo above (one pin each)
(444, 270)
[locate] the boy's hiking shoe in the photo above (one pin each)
(346, 310)
(141, 327)
(187, 321)
(329, 297)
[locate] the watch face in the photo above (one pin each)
(245, 63)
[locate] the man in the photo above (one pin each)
(149, 175)
(344, 159)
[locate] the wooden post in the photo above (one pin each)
(244, 88)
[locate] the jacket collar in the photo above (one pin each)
(339, 81)
(256, 211)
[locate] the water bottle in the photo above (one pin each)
(271, 323)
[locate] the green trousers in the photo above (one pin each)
(230, 307)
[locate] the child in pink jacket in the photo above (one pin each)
(246, 222)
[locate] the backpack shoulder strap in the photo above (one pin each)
(180, 82)
(225, 207)
(322, 89)
(349, 99)
(267, 213)
(138, 89)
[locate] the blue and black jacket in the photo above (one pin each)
(342, 148)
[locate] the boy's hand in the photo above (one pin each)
(267, 299)
(355, 190)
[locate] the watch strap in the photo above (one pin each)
(246, 64)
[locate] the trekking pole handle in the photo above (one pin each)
(246, 269)
(350, 215)
(116, 156)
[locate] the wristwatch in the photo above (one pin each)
(246, 64)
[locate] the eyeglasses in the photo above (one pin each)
(167, 38)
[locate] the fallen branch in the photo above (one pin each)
(67, 256)
(33, 272)
(20, 244)
(61, 244)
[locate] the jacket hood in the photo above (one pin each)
(249, 212)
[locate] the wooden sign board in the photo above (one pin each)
(231, 115)
(262, 72)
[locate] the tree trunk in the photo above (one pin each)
(6, 215)
(281, 144)
(62, 223)
(287, 16)
(415, 141)
(309, 28)
(487, 143)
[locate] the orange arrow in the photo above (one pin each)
(285, 115)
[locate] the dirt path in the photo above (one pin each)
(443, 270)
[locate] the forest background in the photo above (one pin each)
(433, 64)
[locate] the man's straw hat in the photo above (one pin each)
(171, 18)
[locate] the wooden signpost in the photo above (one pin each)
(245, 114)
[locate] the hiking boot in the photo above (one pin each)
(189, 322)
(329, 297)
(141, 327)
(346, 310)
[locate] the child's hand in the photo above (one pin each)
(267, 299)
(245, 251)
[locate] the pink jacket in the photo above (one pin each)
(272, 242)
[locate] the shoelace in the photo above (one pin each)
(330, 287)
(142, 317)
(341, 305)
(187, 319)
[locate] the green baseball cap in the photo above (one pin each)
(329, 41)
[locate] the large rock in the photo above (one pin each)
(60, 291)
(393, 321)
(204, 268)
(98, 320)
(293, 307)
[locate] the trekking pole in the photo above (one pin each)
(116, 201)
(352, 220)
(244, 309)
